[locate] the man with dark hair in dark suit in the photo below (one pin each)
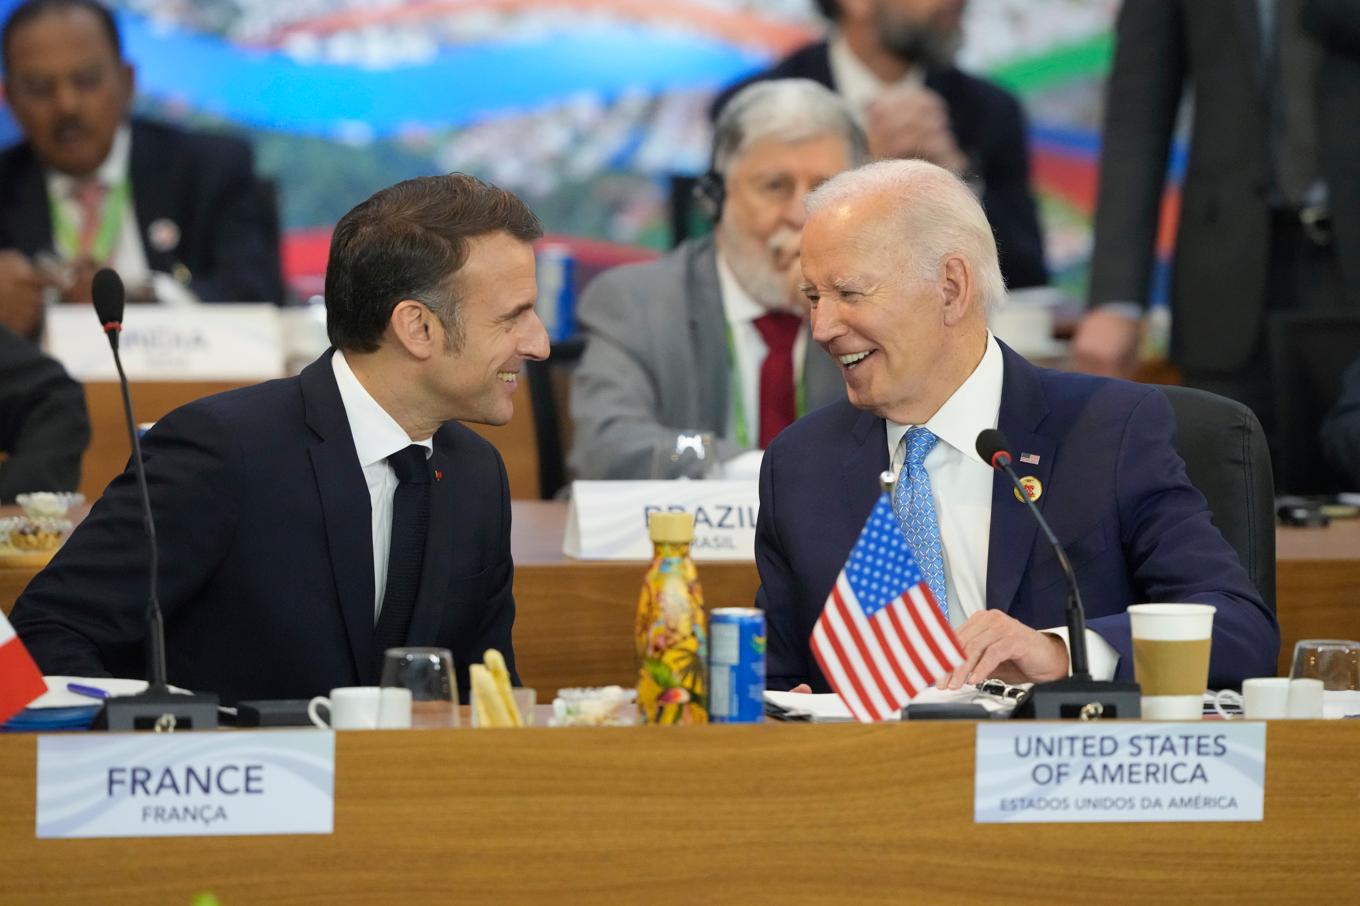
(43, 425)
(307, 524)
(179, 215)
(893, 62)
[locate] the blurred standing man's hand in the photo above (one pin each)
(1106, 343)
(913, 121)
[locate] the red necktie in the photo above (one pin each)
(779, 330)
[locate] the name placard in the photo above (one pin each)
(186, 785)
(607, 520)
(1049, 773)
(200, 343)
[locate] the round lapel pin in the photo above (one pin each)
(163, 234)
(1032, 487)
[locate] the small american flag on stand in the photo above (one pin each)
(881, 637)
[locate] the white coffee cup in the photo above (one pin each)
(1171, 645)
(362, 708)
(1261, 698)
(394, 708)
(1305, 699)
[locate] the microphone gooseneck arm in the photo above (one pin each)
(992, 447)
(155, 620)
(108, 296)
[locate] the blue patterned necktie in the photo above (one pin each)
(915, 508)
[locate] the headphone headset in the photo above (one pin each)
(710, 192)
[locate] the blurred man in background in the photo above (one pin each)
(712, 336)
(43, 425)
(1270, 205)
(179, 215)
(893, 62)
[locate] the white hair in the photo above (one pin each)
(790, 110)
(935, 212)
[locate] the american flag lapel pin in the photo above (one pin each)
(1030, 458)
(438, 475)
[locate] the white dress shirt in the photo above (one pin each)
(855, 82)
(748, 351)
(128, 256)
(961, 485)
(376, 437)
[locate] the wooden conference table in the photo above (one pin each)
(575, 619)
(763, 814)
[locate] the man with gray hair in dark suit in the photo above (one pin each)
(712, 337)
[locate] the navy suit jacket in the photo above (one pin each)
(265, 540)
(204, 184)
(989, 126)
(43, 424)
(1114, 491)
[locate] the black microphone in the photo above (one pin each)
(106, 290)
(157, 708)
(1077, 696)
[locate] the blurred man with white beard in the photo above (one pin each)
(713, 336)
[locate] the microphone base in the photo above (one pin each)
(160, 711)
(1080, 699)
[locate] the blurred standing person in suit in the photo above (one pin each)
(893, 62)
(712, 337)
(1270, 210)
(177, 214)
(43, 425)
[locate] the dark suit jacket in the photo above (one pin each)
(1340, 432)
(266, 580)
(989, 126)
(43, 425)
(1222, 254)
(656, 363)
(204, 184)
(1115, 493)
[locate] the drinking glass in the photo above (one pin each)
(690, 454)
(1334, 661)
(428, 673)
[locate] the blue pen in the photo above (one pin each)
(90, 691)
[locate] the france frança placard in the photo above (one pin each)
(186, 784)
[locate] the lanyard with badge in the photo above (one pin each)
(68, 235)
(735, 388)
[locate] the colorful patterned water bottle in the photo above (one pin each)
(672, 636)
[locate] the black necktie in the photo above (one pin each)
(410, 520)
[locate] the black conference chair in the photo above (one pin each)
(1227, 458)
(548, 384)
(1309, 352)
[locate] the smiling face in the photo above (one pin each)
(474, 376)
(68, 88)
(763, 213)
(904, 342)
